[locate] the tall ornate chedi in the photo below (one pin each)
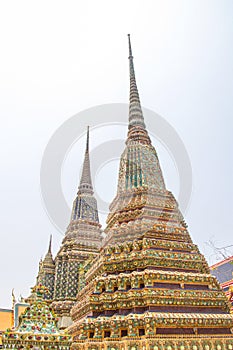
(81, 242)
(149, 288)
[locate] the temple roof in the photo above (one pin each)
(37, 323)
(223, 270)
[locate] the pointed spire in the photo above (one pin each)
(135, 110)
(87, 142)
(85, 182)
(50, 245)
(48, 257)
(84, 205)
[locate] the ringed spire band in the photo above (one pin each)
(85, 182)
(135, 110)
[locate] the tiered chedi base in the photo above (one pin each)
(135, 211)
(153, 293)
(73, 253)
(81, 242)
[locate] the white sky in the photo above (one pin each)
(60, 57)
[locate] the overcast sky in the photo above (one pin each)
(61, 57)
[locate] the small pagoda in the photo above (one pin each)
(150, 288)
(46, 274)
(37, 327)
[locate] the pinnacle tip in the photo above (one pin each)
(87, 142)
(50, 243)
(130, 49)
